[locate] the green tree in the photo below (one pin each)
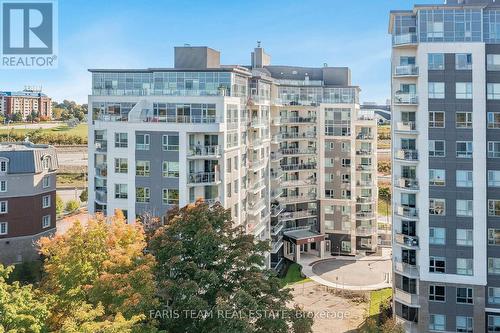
(384, 193)
(59, 205)
(84, 196)
(17, 117)
(21, 310)
(72, 205)
(102, 265)
(206, 264)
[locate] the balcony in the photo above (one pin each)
(364, 200)
(203, 178)
(298, 120)
(404, 39)
(276, 121)
(298, 136)
(297, 198)
(258, 123)
(148, 117)
(409, 184)
(203, 152)
(407, 127)
(407, 155)
(365, 183)
(101, 146)
(365, 215)
(301, 166)
(256, 165)
(276, 245)
(212, 201)
(255, 207)
(405, 98)
(275, 229)
(277, 209)
(406, 70)
(298, 151)
(276, 193)
(276, 156)
(365, 231)
(101, 171)
(299, 182)
(101, 197)
(256, 143)
(276, 175)
(301, 214)
(405, 297)
(276, 139)
(407, 212)
(364, 136)
(406, 241)
(364, 167)
(364, 152)
(258, 186)
(406, 269)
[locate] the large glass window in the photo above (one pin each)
(465, 324)
(493, 62)
(463, 90)
(464, 178)
(170, 196)
(494, 149)
(493, 324)
(143, 168)
(437, 236)
(437, 206)
(464, 237)
(121, 140)
(121, 165)
(465, 266)
(464, 208)
(436, 119)
(437, 148)
(493, 207)
(142, 195)
(437, 322)
(493, 119)
(494, 295)
(437, 177)
(142, 141)
(437, 265)
(493, 178)
(436, 61)
(436, 89)
(493, 91)
(493, 236)
(450, 25)
(170, 169)
(121, 191)
(463, 61)
(494, 266)
(463, 119)
(437, 293)
(464, 149)
(170, 142)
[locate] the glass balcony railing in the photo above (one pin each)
(406, 126)
(300, 166)
(406, 70)
(407, 155)
(405, 268)
(405, 98)
(292, 135)
(204, 151)
(298, 151)
(407, 183)
(408, 212)
(410, 38)
(298, 120)
(203, 178)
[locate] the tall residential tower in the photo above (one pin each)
(446, 166)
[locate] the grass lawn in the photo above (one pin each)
(383, 208)
(71, 180)
(80, 130)
(378, 297)
(293, 275)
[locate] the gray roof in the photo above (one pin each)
(301, 234)
(26, 157)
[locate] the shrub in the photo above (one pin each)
(59, 205)
(84, 196)
(72, 205)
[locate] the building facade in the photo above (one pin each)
(254, 138)
(27, 199)
(25, 103)
(446, 150)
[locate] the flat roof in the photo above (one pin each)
(301, 234)
(22, 146)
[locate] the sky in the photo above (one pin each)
(143, 33)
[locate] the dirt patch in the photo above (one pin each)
(335, 311)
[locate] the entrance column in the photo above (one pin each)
(297, 253)
(322, 249)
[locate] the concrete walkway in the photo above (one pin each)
(357, 273)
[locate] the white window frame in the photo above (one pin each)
(493, 149)
(465, 237)
(463, 90)
(459, 178)
(493, 91)
(4, 207)
(493, 210)
(46, 221)
(121, 140)
(432, 149)
(468, 211)
(462, 124)
(437, 236)
(433, 123)
(463, 61)
(165, 144)
(468, 268)
(4, 228)
(46, 201)
(165, 195)
(433, 207)
(147, 195)
(433, 181)
(437, 322)
(493, 123)
(46, 181)
(436, 90)
(468, 153)
(3, 186)
(146, 142)
(167, 171)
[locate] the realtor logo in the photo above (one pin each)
(29, 34)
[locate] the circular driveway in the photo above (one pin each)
(357, 273)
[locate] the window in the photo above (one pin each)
(346, 162)
(464, 149)
(142, 141)
(437, 293)
(493, 236)
(170, 169)
(463, 90)
(143, 168)
(45, 221)
(493, 119)
(4, 207)
(3, 228)
(493, 178)
(437, 322)
(170, 196)
(142, 195)
(463, 61)
(3, 186)
(493, 91)
(46, 201)
(437, 265)
(436, 89)
(493, 207)
(436, 61)
(494, 149)
(121, 140)
(235, 162)
(493, 62)
(329, 193)
(170, 142)
(121, 165)
(493, 295)
(121, 191)
(3, 166)
(46, 162)
(464, 178)
(436, 119)
(464, 207)
(464, 266)
(493, 323)
(464, 295)
(437, 236)
(465, 324)
(463, 119)
(46, 181)
(436, 148)
(437, 206)
(494, 266)
(464, 237)
(437, 177)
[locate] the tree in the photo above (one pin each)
(21, 310)
(72, 205)
(384, 193)
(392, 326)
(84, 196)
(59, 205)
(101, 268)
(17, 117)
(207, 265)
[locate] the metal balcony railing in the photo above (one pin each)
(408, 212)
(405, 98)
(410, 38)
(407, 183)
(365, 231)
(405, 268)
(405, 240)
(406, 126)
(301, 166)
(298, 151)
(407, 155)
(203, 177)
(204, 151)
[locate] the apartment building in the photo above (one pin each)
(275, 144)
(446, 166)
(27, 199)
(25, 102)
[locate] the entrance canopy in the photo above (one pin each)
(304, 236)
